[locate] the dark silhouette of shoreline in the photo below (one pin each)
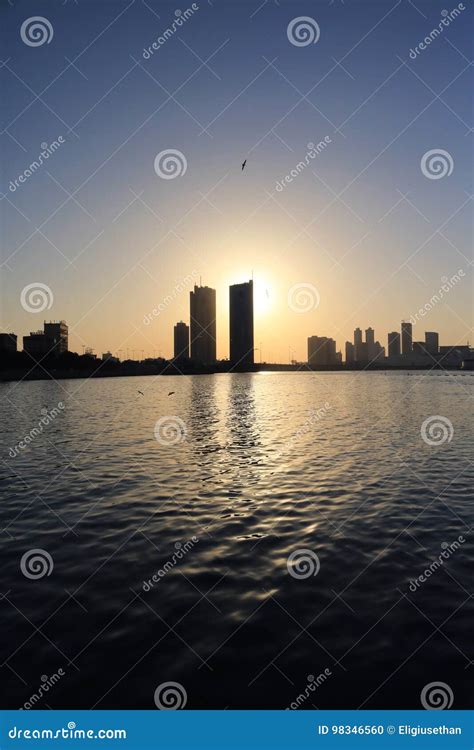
(21, 366)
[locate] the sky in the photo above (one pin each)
(365, 232)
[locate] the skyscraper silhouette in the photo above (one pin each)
(432, 342)
(181, 341)
(357, 344)
(349, 352)
(203, 324)
(321, 351)
(241, 324)
(393, 344)
(370, 341)
(407, 337)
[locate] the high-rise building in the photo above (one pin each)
(52, 341)
(419, 348)
(378, 352)
(370, 341)
(109, 357)
(357, 343)
(407, 337)
(393, 344)
(432, 342)
(57, 335)
(363, 353)
(321, 351)
(8, 343)
(181, 341)
(349, 352)
(203, 324)
(36, 344)
(241, 324)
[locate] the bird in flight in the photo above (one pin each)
(170, 393)
(243, 164)
(141, 392)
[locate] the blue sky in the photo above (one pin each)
(362, 224)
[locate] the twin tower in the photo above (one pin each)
(202, 348)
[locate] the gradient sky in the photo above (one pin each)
(112, 239)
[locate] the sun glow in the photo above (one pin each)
(263, 297)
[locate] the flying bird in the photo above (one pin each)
(141, 392)
(170, 393)
(243, 164)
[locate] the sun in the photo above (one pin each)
(263, 297)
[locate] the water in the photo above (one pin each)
(271, 463)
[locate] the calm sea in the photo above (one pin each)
(256, 538)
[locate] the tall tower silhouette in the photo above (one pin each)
(241, 324)
(203, 324)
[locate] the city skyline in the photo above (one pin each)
(236, 367)
(197, 340)
(333, 194)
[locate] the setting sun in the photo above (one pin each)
(263, 297)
